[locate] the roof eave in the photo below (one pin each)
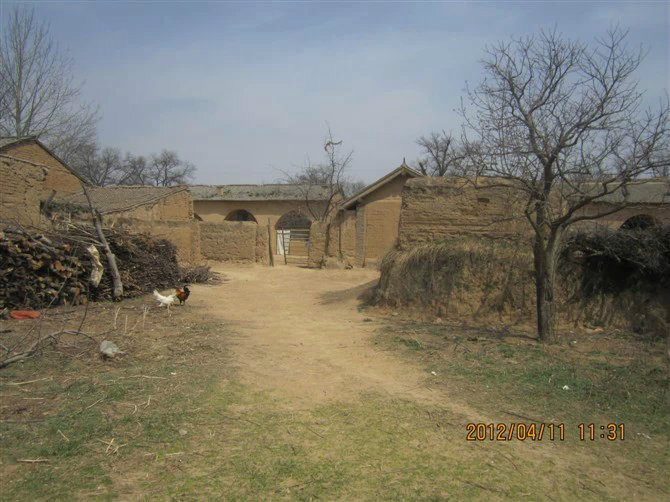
(403, 169)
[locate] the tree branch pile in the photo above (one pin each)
(39, 268)
(611, 262)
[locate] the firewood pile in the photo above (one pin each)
(39, 269)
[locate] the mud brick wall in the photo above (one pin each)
(436, 208)
(228, 240)
(660, 213)
(185, 235)
(20, 190)
(262, 245)
(59, 178)
(176, 207)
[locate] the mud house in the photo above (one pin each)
(20, 190)
(365, 227)
(287, 211)
(29, 174)
(60, 177)
(164, 212)
(439, 208)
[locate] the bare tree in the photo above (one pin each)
(135, 170)
(441, 154)
(562, 123)
(99, 167)
(167, 169)
(38, 95)
(323, 185)
(350, 188)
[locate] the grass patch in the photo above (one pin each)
(615, 378)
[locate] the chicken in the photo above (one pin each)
(183, 294)
(165, 300)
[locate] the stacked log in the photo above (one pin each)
(38, 269)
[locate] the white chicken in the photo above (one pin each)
(165, 300)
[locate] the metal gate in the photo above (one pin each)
(293, 245)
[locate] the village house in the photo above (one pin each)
(365, 226)
(60, 177)
(20, 191)
(288, 211)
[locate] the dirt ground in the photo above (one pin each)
(279, 384)
(304, 338)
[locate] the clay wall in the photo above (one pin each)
(234, 241)
(435, 208)
(265, 212)
(20, 190)
(660, 213)
(59, 178)
(176, 207)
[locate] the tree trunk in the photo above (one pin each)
(544, 287)
(545, 253)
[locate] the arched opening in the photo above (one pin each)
(639, 222)
(292, 231)
(240, 215)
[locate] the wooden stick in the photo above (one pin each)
(92, 405)
(33, 460)
(30, 381)
(117, 293)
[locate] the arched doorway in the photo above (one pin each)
(639, 222)
(292, 231)
(240, 215)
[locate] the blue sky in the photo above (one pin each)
(244, 89)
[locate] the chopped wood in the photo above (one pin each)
(40, 268)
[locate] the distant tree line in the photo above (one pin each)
(108, 166)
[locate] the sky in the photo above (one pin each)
(246, 90)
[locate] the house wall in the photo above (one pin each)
(185, 235)
(175, 207)
(168, 218)
(59, 178)
(361, 236)
(437, 208)
(265, 212)
(660, 212)
(382, 215)
(20, 190)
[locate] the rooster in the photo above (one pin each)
(165, 300)
(183, 294)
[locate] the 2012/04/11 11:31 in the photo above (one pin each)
(611, 432)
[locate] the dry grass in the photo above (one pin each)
(460, 277)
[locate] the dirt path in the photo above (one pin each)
(303, 337)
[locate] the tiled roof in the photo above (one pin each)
(113, 199)
(260, 192)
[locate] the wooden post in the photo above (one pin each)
(272, 258)
(111, 259)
